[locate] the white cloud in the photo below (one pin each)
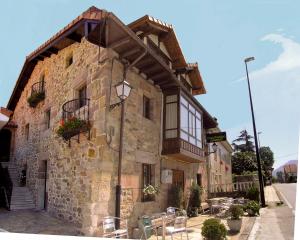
(276, 96)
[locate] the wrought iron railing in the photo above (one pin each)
(75, 118)
(38, 87)
(37, 94)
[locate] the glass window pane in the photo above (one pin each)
(192, 129)
(192, 109)
(183, 101)
(192, 140)
(184, 124)
(184, 136)
(198, 115)
(198, 129)
(199, 144)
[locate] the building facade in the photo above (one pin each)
(69, 82)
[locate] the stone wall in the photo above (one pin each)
(82, 177)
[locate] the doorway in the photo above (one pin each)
(43, 189)
(5, 141)
(178, 178)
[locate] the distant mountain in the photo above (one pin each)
(281, 167)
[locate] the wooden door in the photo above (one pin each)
(178, 178)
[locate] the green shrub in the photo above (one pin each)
(213, 229)
(195, 200)
(175, 198)
(253, 194)
(235, 212)
(35, 98)
(254, 207)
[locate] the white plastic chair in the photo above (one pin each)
(179, 227)
(109, 227)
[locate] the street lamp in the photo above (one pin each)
(214, 148)
(260, 177)
(123, 90)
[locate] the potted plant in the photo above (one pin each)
(213, 229)
(252, 208)
(71, 127)
(150, 190)
(235, 221)
(35, 98)
(175, 197)
(195, 200)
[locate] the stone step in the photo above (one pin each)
(21, 207)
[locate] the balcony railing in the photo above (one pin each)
(37, 94)
(182, 149)
(75, 118)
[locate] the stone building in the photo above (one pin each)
(70, 81)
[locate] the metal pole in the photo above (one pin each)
(118, 186)
(260, 177)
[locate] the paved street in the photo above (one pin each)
(288, 192)
(276, 222)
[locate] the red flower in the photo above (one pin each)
(62, 122)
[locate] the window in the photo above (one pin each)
(82, 96)
(171, 116)
(190, 123)
(48, 116)
(148, 179)
(146, 107)
(69, 60)
(27, 131)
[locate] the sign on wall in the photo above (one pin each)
(215, 137)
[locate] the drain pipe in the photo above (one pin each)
(119, 186)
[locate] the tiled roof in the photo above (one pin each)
(92, 13)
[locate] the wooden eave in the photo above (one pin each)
(105, 29)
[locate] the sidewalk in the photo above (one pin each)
(271, 196)
(275, 221)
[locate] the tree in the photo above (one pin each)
(267, 161)
(267, 157)
(243, 143)
(243, 162)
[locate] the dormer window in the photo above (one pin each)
(69, 60)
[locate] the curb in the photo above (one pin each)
(279, 196)
(248, 228)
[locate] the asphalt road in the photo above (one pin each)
(288, 193)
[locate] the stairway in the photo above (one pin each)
(21, 197)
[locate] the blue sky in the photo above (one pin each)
(216, 34)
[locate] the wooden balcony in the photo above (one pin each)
(183, 150)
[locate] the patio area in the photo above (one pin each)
(194, 226)
(36, 222)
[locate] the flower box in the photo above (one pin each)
(72, 127)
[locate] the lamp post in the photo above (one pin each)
(123, 90)
(260, 177)
(214, 148)
(258, 139)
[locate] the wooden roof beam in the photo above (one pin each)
(130, 53)
(75, 37)
(119, 42)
